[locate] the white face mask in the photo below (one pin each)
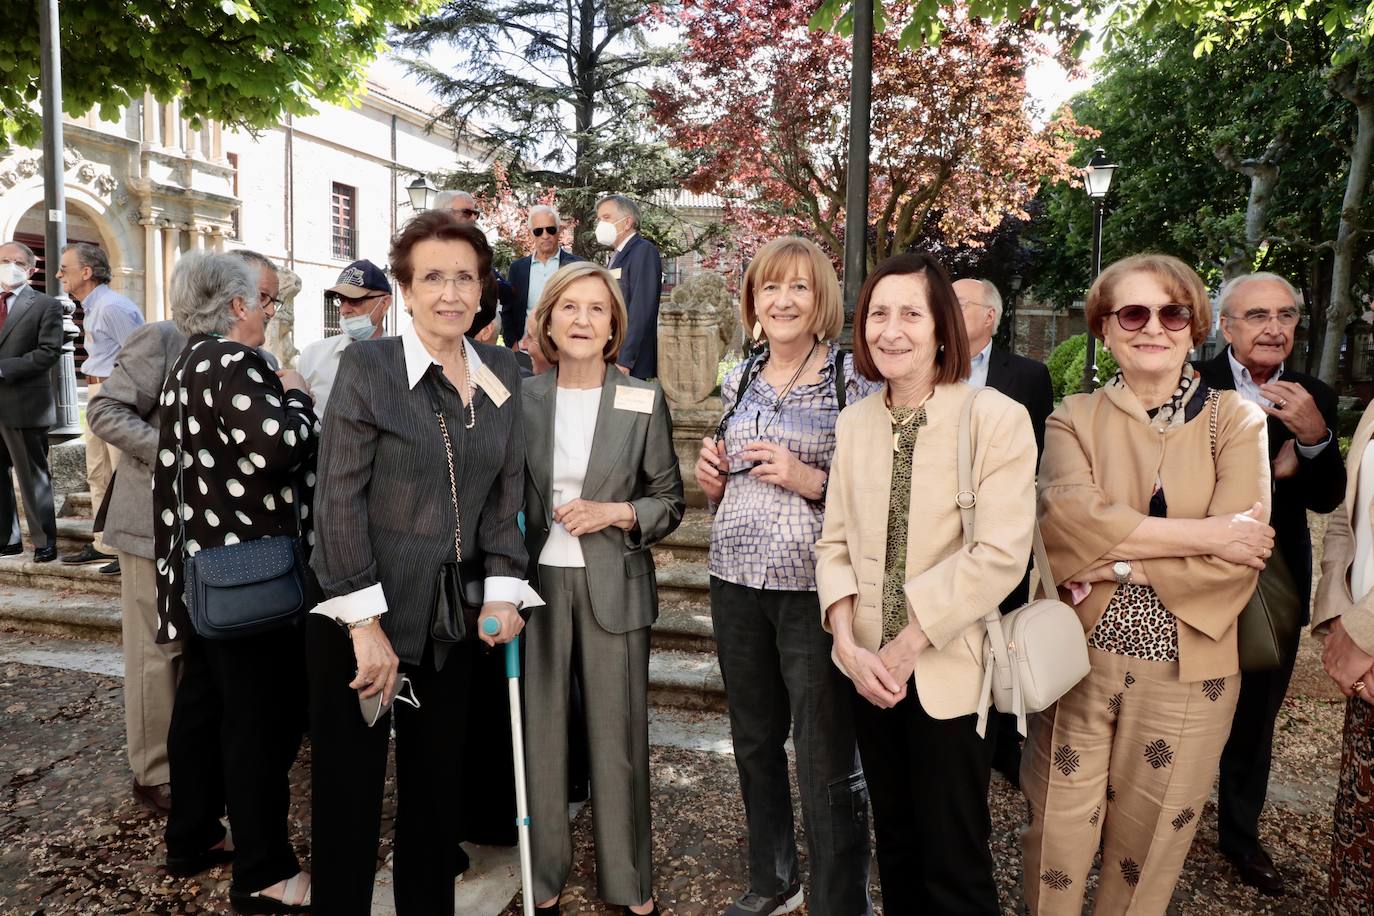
(12, 275)
(605, 233)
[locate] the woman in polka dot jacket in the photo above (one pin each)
(246, 441)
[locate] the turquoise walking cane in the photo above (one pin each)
(491, 627)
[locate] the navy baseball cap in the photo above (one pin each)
(359, 279)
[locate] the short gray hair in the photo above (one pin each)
(25, 250)
(204, 285)
(94, 257)
(992, 298)
(253, 259)
(446, 197)
(543, 208)
(626, 206)
(1231, 287)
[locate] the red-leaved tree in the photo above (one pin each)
(761, 102)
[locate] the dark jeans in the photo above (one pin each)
(775, 660)
(928, 779)
(236, 727)
(1249, 750)
(349, 770)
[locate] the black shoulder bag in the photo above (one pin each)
(246, 588)
(459, 586)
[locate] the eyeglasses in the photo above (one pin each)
(540, 230)
(1258, 318)
(267, 300)
(435, 283)
(1173, 316)
(467, 212)
(337, 299)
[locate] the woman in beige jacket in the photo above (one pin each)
(1154, 501)
(903, 594)
(1344, 618)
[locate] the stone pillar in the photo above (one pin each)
(192, 141)
(216, 141)
(153, 307)
(281, 330)
(171, 125)
(197, 239)
(150, 133)
(171, 250)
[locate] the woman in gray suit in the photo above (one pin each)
(602, 486)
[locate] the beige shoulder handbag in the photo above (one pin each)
(1037, 653)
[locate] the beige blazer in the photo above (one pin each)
(949, 587)
(1338, 556)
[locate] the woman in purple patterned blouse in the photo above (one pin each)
(765, 474)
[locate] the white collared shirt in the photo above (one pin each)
(319, 364)
(540, 271)
(1248, 388)
(978, 367)
(371, 601)
(574, 425)
(621, 247)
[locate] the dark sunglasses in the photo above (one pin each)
(467, 212)
(540, 230)
(336, 299)
(1173, 316)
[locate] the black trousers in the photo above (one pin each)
(25, 449)
(1248, 754)
(349, 770)
(236, 726)
(928, 782)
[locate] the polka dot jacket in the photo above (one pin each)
(245, 444)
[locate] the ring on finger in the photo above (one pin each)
(1358, 686)
(1282, 403)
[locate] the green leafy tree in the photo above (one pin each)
(1066, 362)
(557, 86)
(243, 62)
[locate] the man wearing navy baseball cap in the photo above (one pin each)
(363, 298)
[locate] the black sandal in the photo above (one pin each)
(256, 902)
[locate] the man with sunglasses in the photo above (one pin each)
(463, 206)
(529, 274)
(1259, 315)
(363, 297)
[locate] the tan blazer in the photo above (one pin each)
(1338, 556)
(949, 587)
(1102, 457)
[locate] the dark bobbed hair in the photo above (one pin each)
(951, 338)
(442, 226)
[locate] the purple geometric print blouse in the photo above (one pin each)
(764, 536)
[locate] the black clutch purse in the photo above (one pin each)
(460, 582)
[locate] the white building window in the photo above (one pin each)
(343, 215)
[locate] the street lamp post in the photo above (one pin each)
(422, 193)
(63, 374)
(1097, 180)
(856, 189)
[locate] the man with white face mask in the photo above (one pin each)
(363, 294)
(638, 265)
(30, 343)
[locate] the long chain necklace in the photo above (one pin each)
(910, 418)
(777, 407)
(471, 420)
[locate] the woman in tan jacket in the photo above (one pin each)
(1344, 618)
(903, 594)
(1154, 501)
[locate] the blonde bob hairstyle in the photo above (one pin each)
(777, 262)
(1179, 280)
(554, 289)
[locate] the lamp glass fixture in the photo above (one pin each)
(1097, 176)
(422, 193)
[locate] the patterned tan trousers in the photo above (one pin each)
(1125, 761)
(1352, 839)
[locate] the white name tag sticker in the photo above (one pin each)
(615, 272)
(640, 400)
(488, 382)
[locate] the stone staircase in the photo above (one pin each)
(78, 601)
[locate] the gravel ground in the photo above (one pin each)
(72, 841)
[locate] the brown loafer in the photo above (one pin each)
(1257, 869)
(157, 799)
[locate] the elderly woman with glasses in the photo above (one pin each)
(1154, 499)
(765, 472)
(421, 468)
(236, 451)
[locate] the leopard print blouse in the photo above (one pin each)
(1137, 624)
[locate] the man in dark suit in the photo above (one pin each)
(528, 275)
(30, 343)
(1028, 383)
(638, 265)
(1258, 315)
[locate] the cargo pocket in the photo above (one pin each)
(848, 798)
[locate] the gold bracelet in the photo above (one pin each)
(366, 621)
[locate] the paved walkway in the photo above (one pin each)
(72, 841)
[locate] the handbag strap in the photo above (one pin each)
(1213, 398)
(967, 498)
(437, 406)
